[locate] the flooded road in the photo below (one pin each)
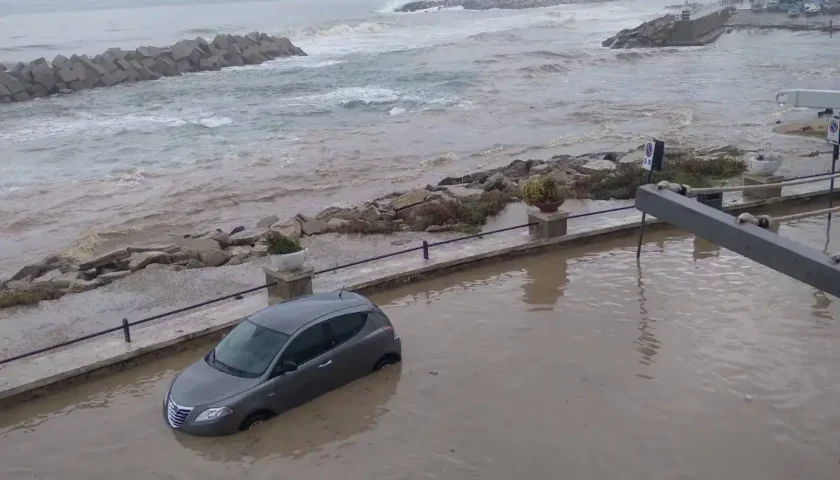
(696, 364)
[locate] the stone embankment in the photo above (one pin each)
(454, 204)
(63, 75)
(670, 31)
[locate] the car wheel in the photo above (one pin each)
(254, 420)
(385, 361)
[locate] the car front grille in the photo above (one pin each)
(176, 414)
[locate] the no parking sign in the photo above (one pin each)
(833, 131)
(654, 151)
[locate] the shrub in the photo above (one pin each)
(13, 298)
(472, 213)
(541, 189)
(281, 245)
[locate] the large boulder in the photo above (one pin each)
(43, 74)
(291, 229)
(11, 83)
(141, 260)
(410, 199)
(214, 258)
(246, 237)
(48, 263)
(252, 55)
(597, 166)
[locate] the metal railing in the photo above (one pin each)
(125, 325)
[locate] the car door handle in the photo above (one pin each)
(325, 364)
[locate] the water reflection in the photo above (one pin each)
(546, 283)
(334, 417)
(646, 343)
(704, 249)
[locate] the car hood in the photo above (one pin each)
(200, 384)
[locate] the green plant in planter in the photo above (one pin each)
(542, 189)
(281, 245)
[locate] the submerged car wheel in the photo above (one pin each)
(385, 361)
(255, 420)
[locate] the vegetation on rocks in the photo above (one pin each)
(15, 298)
(460, 215)
(621, 183)
(460, 204)
(360, 226)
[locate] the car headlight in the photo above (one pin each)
(213, 414)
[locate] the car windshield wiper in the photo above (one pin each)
(232, 370)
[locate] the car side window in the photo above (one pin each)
(345, 327)
(309, 344)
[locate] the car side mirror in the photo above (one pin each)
(287, 366)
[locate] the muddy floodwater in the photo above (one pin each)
(695, 364)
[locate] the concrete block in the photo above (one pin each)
(105, 63)
(146, 52)
(42, 74)
(114, 78)
(21, 96)
(91, 67)
(252, 55)
(210, 63)
(164, 66)
(117, 53)
(11, 83)
(288, 285)
(764, 193)
(38, 91)
(130, 71)
(234, 60)
(548, 225)
(76, 85)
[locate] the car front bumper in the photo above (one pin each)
(227, 425)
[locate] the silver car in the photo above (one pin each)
(278, 358)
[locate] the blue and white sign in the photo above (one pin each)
(647, 163)
(833, 133)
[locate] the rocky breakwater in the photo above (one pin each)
(40, 78)
(480, 4)
(670, 31)
(455, 204)
(654, 33)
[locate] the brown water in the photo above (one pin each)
(696, 364)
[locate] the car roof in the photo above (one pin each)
(289, 316)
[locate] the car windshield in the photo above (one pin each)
(247, 350)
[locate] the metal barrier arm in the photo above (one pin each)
(805, 98)
(782, 254)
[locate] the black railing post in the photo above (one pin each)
(425, 250)
(126, 331)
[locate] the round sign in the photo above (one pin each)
(649, 147)
(832, 126)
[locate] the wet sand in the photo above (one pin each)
(696, 364)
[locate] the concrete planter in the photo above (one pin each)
(288, 262)
(765, 164)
